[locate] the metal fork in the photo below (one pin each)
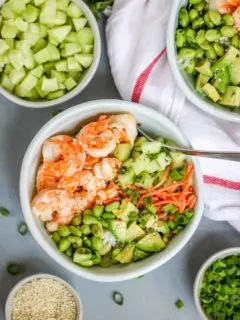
(221, 155)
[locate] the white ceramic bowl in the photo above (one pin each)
(185, 81)
(18, 286)
(199, 277)
(69, 122)
(84, 81)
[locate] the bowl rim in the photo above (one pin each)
(190, 94)
(102, 106)
(19, 284)
(198, 279)
(81, 85)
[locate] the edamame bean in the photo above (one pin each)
(72, 239)
(96, 258)
(87, 211)
(87, 242)
(228, 20)
(190, 68)
(200, 6)
(186, 53)
(97, 229)
(76, 221)
(215, 17)
(200, 38)
(108, 215)
(212, 35)
(193, 2)
(98, 210)
(207, 20)
(205, 45)
(211, 53)
(97, 243)
(183, 17)
(218, 49)
(228, 32)
(111, 207)
(56, 237)
(64, 244)
(104, 223)
(190, 35)
(64, 231)
(193, 14)
(180, 38)
(199, 53)
(235, 41)
(89, 219)
(115, 252)
(85, 229)
(86, 263)
(75, 231)
(69, 252)
(82, 254)
(198, 23)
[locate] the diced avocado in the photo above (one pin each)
(122, 151)
(201, 81)
(221, 80)
(234, 71)
(231, 97)
(105, 249)
(134, 232)
(162, 227)
(139, 254)
(226, 60)
(163, 160)
(151, 243)
(211, 92)
(118, 228)
(153, 166)
(140, 164)
(177, 159)
(151, 147)
(205, 68)
(127, 177)
(126, 207)
(126, 255)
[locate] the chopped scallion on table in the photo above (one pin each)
(13, 268)
(23, 229)
(4, 212)
(179, 304)
(118, 298)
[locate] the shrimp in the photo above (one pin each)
(107, 169)
(107, 194)
(53, 205)
(127, 127)
(98, 138)
(90, 162)
(236, 18)
(84, 179)
(84, 200)
(224, 6)
(45, 181)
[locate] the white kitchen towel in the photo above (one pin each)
(136, 34)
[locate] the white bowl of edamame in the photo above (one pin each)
(209, 50)
(69, 122)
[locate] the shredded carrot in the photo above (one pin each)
(111, 200)
(172, 218)
(162, 216)
(161, 182)
(192, 203)
(187, 181)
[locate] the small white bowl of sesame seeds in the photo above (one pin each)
(43, 297)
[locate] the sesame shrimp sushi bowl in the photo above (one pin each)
(102, 200)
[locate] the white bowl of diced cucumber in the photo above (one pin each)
(49, 50)
(69, 122)
(186, 81)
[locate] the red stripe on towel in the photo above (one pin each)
(222, 182)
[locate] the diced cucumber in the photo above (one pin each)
(61, 76)
(59, 34)
(61, 18)
(4, 47)
(70, 49)
(134, 232)
(163, 160)
(31, 38)
(31, 13)
(41, 92)
(49, 85)
(8, 69)
(70, 83)
(151, 147)
(61, 86)
(21, 24)
(73, 65)
(71, 37)
(17, 6)
(85, 59)
(76, 75)
(85, 36)
(144, 180)
(55, 95)
(43, 30)
(79, 23)
(61, 65)
(127, 177)
(87, 48)
(10, 42)
(140, 164)
(29, 82)
(153, 166)
(48, 67)
(41, 44)
(38, 71)
(126, 255)
(7, 12)
(16, 76)
(119, 229)
(53, 51)
(21, 92)
(34, 28)
(178, 159)
(8, 31)
(7, 83)
(74, 11)
(16, 58)
(138, 143)
(22, 45)
(38, 3)
(128, 163)
(48, 12)
(29, 61)
(42, 56)
(62, 4)
(122, 151)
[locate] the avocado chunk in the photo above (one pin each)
(205, 68)
(231, 97)
(151, 243)
(126, 207)
(201, 81)
(122, 151)
(211, 92)
(234, 71)
(226, 60)
(139, 254)
(126, 255)
(221, 80)
(134, 232)
(118, 228)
